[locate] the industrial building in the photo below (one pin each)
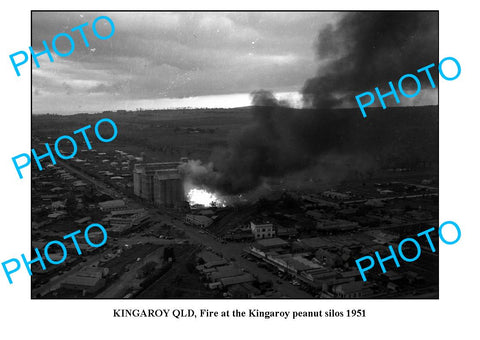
(168, 188)
(159, 183)
(112, 205)
(124, 221)
(198, 220)
(356, 289)
(89, 280)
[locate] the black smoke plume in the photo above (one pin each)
(368, 49)
(363, 50)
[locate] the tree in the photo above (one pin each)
(190, 266)
(71, 203)
(177, 280)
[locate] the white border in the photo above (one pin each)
(453, 316)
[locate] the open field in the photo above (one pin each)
(394, 137)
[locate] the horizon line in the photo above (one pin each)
(122, 111)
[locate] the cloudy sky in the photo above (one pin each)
(161, 60)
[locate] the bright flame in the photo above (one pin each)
(205, 198)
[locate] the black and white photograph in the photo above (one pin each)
(235, 155)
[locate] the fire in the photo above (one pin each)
(205, 198)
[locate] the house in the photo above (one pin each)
(58, 205)
(57, 214)
(79, 184)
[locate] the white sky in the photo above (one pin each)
(165, 60)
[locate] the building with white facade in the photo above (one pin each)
(263, 230)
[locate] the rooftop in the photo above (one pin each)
(272, 242)
(295, 262)
(228, 281)
(112, 204)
